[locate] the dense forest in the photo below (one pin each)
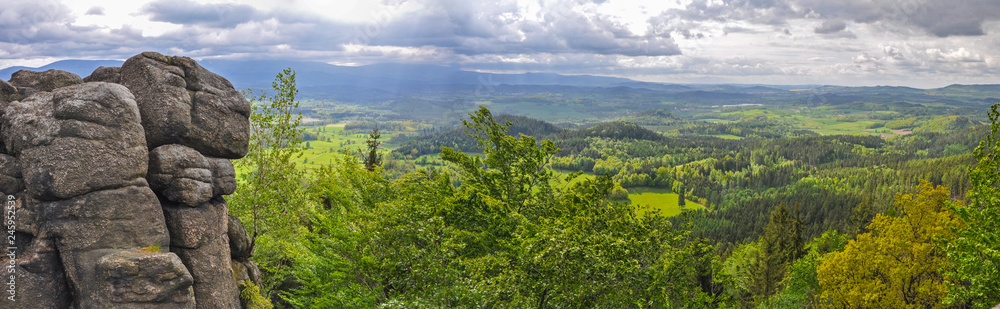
(523, 213)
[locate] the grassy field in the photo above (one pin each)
(559, 180)
(650, 199)
(726, 136)
(645, 199)
(331, 140)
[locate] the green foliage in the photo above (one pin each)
(680, 189)
(372, 159)
(503, 237)
(896, 264)
(899, 124)
(801, 285)
(975, 251)
(739, 267)
(779, 247)
(250, 297)
(491, 228)
(270, 195)
(513, 173)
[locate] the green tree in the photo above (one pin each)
(512, 171)
(739, 267)
(680, 189)
(801, 285)
(269, 194)
(975, 251)
(780, 246)
(372, 159)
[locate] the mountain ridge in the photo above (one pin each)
(409, 77)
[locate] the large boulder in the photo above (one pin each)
(8, 93)
(105, 74)
(199, 237)
(82, 154)
(117, 186)
(86, 228)
(183, 103)
(181, 174)
(223, 176)
(117, 218)
(239, 241)
(77, 139)
(136, 277)
(44, 81)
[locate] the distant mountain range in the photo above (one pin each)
(390, 76)
(260, 73)
(379, 82)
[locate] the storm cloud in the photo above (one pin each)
(186, 12)
(849, 41)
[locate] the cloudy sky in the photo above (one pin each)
(919, 43)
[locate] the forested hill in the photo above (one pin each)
(458, 139)
(660, 120)
(618, 130)
(653, 117)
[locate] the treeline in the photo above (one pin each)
(458, 139)
(759, 126)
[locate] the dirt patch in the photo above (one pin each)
(901, 132)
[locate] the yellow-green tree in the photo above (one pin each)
(896, 264)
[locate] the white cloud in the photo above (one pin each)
(923, 43)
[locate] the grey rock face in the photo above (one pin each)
(223, 176)
(44, 81)
(7, 94)
(105, 74)
(86, 222)
(144, 277)
(239, 241)
(86, 229)
(77, 139)
(118, 186)
(29, 123)
(10, 174)
(202, 244)
(181, 174)
(183, 103)
(40, 279)
(41, 282)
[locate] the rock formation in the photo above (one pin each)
(116, 186)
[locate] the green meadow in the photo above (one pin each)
(666, 201)
(646, 199)
(330, 140)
